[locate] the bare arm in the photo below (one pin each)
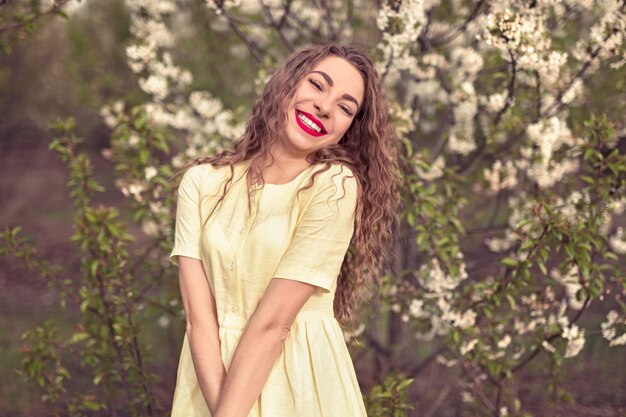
(260, 345)
(312, 261)
(202, 329)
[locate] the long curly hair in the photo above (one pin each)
(369, 148)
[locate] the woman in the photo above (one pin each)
(261, 239)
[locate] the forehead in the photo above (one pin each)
(345, 76)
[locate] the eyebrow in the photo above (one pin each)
(331, 83)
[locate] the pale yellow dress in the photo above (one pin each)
(303, 239)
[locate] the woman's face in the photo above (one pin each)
(324, 104)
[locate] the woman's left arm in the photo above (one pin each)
(260, 345)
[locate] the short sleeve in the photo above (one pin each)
(188, 220)
(322, 236)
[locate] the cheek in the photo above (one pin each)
(343, 126)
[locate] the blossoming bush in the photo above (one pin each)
(515, 181)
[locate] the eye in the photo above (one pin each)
(319, 87)
(347, 110)
(316, 85)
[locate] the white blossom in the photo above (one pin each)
(150, 228)
(164, 321)
(416, 309)
(609, 328)
(150, 172)
(501, 176)
(548, 347)
(504, 342)
(349, 335)
(467, 397)
(468, 346)
(446, 362)
(618, 241)
(575, 337)
(154, 85)
(571, 281)
(494, 102)
(435, 170)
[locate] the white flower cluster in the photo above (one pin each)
(416, 309)
(464, 65)
(111, 113)
(607, 37)
(501, 176)
(348, 335)
(610, 327)
(493, 102)
(614, 208)
(395, 44)
(571, 282)
(575, 337)
(520, 208)
(425, 86)
(434, 171)
(549, 136)
(303, 16)
(569, 209)
(618, 241)
(433, 278)
(435, 305)
(199, 116)
(535, 317)
(404, 119)
(569, 331)
(217, 6)
(148, 24)
(467, 346)
(524, 35)
(140, 56)
(448, 363)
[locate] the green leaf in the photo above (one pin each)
(143, 155)
(97, 379)
(542, 266)
(587, 179)
(93, 267)
(511, 300)
(508, 261)
(92, 405)
(405, 383)
(78, 337)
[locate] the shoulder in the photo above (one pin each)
(337, 174)
(200, 179)
(198, 172)
(202, 174)
(337, 181)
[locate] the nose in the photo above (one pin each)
(321, 106)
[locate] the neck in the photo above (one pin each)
(282, 168)
(283, 161)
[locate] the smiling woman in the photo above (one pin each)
(267, 288)
(324, 104)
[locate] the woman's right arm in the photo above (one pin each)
(202, 329)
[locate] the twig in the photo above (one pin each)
(20, 24)
(447, 37)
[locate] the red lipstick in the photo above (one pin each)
(308, 129)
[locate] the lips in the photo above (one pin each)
(306, 128)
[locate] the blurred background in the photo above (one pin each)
(54, 67)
